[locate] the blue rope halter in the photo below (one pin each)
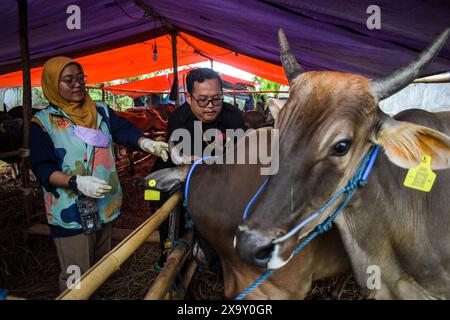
(359, 180)
(188, 178)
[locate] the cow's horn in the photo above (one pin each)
(290, 64)
(387, 86)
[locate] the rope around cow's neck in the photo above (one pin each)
(359, 180)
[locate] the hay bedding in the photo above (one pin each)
(29, 265)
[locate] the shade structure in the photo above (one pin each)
(163, 83)
(137, 59)
(324, 35)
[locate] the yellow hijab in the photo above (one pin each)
(81, 113)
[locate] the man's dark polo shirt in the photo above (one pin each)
(229, 118)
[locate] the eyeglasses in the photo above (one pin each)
(205, 102)
(71, 81)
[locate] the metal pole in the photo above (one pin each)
(175, 67)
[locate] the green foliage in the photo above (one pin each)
(37, 97)
(265, 85)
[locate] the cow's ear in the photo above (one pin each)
(275, 106)
(167, 179)
(406, 143)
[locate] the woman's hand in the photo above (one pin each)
(93, 187)
(158, 148)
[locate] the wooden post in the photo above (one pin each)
(175, 67)
(172, 267)
(102, 86)
(26, 65)
(192, 267)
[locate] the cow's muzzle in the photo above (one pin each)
(253, 247)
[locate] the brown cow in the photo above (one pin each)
(397, 238)
(145, 119)
(218, 195)
(256, 119)
(150, 120)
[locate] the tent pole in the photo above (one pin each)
(169, 26)
(26, 65)
(102, 86)
(184, 86)
(175, 67)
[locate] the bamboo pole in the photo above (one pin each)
(40, 229)
(183, 91)
(188, 277)
(172, 267)
(111, 262)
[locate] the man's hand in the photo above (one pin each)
(158, 148)
(93, 187)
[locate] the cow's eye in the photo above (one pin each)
(341, 148)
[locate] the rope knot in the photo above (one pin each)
(324, 227)
(351, 185)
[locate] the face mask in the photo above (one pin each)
(92, 137)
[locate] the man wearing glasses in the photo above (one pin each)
(204, 104)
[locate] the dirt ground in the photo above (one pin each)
(29, 265)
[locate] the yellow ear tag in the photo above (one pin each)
(421, 177)
(151, 194)
(152, 183)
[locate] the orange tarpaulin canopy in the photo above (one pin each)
(162, 83)
(137, 59)
(233, 80)
(159, 83)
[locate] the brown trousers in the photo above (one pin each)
(82, 251)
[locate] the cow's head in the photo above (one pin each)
(326, 127)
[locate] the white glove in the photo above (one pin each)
(92, 187)
(158, 148)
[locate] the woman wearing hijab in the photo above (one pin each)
(72, 157)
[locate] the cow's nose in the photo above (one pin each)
(254, 247)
